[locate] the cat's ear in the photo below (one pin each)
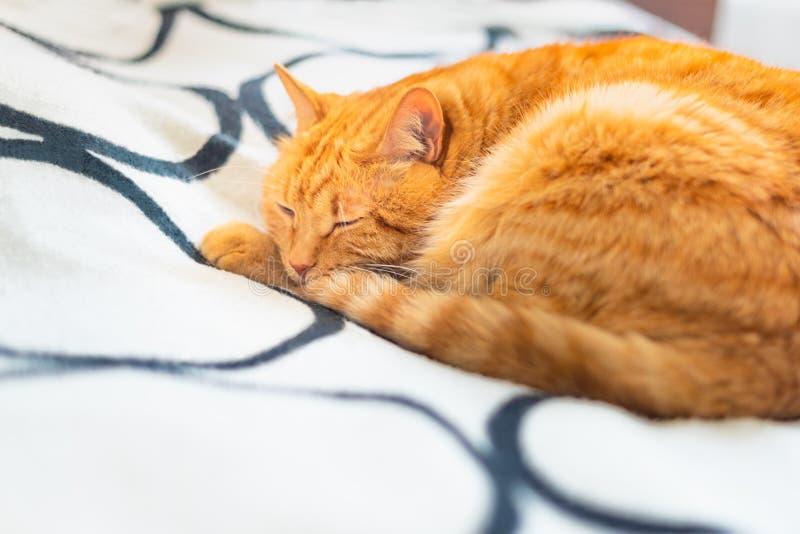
(308, 104)
(416, 130)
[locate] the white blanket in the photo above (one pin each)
(143, 391)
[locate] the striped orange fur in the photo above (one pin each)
(616, 220)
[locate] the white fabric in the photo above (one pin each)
(142, 391)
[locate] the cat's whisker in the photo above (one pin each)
(391, 274)
(392, 267)
(209, 171)
(405, 276)
(241, 181)
(230, 166)
(387, 269)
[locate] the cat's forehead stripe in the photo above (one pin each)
(326, 155)
(331, 145)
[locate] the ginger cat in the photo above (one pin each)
(615, 220)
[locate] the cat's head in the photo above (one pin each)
(359, 179)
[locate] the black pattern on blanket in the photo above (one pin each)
(135, 378)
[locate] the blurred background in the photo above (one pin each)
(766, 30)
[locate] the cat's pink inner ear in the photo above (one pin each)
(307, 103)
(416, 129)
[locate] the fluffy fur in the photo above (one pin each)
(614, 220)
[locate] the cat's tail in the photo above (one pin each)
(562, 355)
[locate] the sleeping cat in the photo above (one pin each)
(615, 220)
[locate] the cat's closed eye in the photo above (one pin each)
(287, 211)
(346, 223)
(343, 224)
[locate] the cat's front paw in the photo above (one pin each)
(240, 248)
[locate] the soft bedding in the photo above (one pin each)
(144, 391)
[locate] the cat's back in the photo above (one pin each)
(765, 97)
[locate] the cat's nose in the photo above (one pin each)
(299, 268)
